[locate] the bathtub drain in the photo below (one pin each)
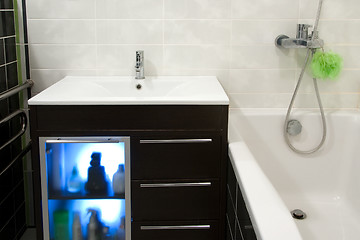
(298, 214)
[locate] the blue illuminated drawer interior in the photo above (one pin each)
(82, 177)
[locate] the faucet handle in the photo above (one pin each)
(139, 55)
(139, 58)
(302, 31)
(305, 26)
(139, 65)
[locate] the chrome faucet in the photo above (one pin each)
(139, 66)
(303, 39)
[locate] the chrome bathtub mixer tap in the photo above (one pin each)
(311, 42)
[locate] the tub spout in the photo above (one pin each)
(287, 42)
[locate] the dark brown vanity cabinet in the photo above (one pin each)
(178, 163)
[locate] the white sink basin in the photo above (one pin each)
(125, 91)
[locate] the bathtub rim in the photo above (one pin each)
(268, 213)
(270, 221)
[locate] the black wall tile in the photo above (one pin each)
(6, 4)
(14, 103)
(7, 210)
(230, 211)
(5, 155)
(231, 181)
(7, 26)
(20, 220)
(238, 233)
(238, 217)
(10, 49)
(4, 111)
(27, 62)
(2, 52)
(17, 173)
(15, 126)
(228, 233)
(3, 85)
(5, 185)
(8, 232)
(16, 145)
(2, 24)
(25, 22)
(4, 129)
(10, 23)
(19, 196)
(12, 75)
(12, 197)
(242, 213)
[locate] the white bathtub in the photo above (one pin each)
(274, 180)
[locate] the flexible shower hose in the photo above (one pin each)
(307, 58)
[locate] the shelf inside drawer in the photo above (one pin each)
(76, 196)
(110, 212)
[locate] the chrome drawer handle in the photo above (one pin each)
(169, 185)
(82, 141)
(181, 227)
(176, 141)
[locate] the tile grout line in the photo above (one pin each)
(206, 69)
(23, 203)
(230, 44)
(9, 63)
(5, 68)
(228, 223)
(96, 38)
(6, 37)
(195, 19)
(28, 45)
(237, 224)
(163, 33)
(269, 45)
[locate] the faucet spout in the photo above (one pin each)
(139, 65)
(286, 42)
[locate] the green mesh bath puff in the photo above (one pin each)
(326, 65)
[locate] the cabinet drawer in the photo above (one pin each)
(175, 158)
(175, 200)
(128, 117)
(204, 230)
